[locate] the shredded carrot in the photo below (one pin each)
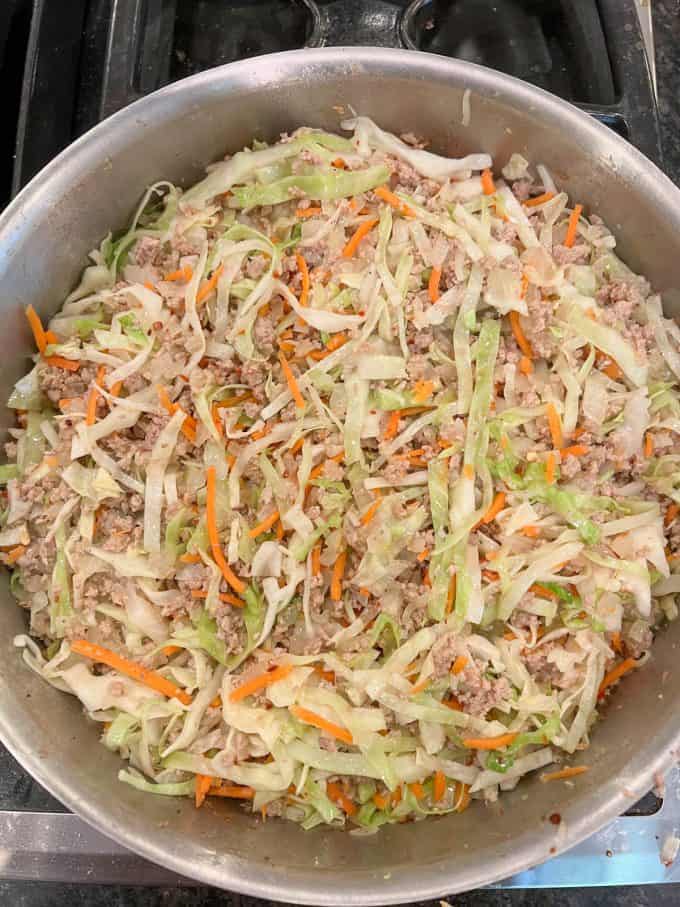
(209, 285)
(390, 198)
(293, 386)
(334, 730)
(422, 391)
(312, 211)
(231, 600)
(468, 471)
(649, 445)
(550, 468)
(488, 743)
(316, 560)
(543, 591)
(51, 337)
(392, 425)
(169, 651)
(91, 416)
(572, 226)
(336, 341)
(304, 276)
(539, 200)
(575, 450)
(232, 401)
(617, 643)
(339, 163)
(462, 797)
(362, 230)
(555, 424)
(433, 284)
(336, 578)
(439, 788)
(524, 286)
(232, 791)
(519, 334)
(265, 525)
(616, 673)
(370, 512)
(185, 274)
(150, 678)
(459, 664)
(14, 554)
(452, 703)
(417, 790)
(37, 328)
(396, 796)
(526, 366)
(69, 365)
(255, 684)
(318, 470)
(189, 425)
(569, 772)
(423, 556)
(419, 687)
(217, 421)
(488, 185)
(116, 388)
(337, 795)
(191, 558)
(213, 534)
(496, 507)
(203, 785)
(531, 532)
(381, 801)
(671, 513)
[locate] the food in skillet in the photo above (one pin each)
(345, 483)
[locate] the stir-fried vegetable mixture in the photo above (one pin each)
(346, 482)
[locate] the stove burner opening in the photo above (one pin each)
(183, 37)
(558, 45)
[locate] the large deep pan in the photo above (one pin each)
(44, 237)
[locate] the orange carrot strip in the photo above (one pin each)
(169, 651)
(185, 274)
(526, 366)
(231, 600)
(543, 591)
(450, 595)
(116, 388)
(422, 391)
(617, 643)
(649, 445)
(14, 554)
(370, 512)
(531, 532)
(69, 365)
(316, 560)
(671, 513)
(468, 471)
(575, 450)
(417, 790)
(519, 334)
(390, 198)
(488, 743)
(255, 684)
(335, 793)
(569, 772)
(321, 723)
(362, 230)
(616, 673)
(392, 425)
(550, 468)
(91, 416)
(293, 386)
(433, 284)
(381, 801)
(189, 425)
(304, 275)
(439, 789)
(555, 424)
(336, 341)
(209, 285)
(265, 525)
(462, 796)
(37, 328)
(497, 505)
(538, 200)
(131, 669)
(488, 185)
(459, 665)
(190, 558)
(312, 211)
(232, 791)
(572, 226)
(203, 785)
(336, 578)
(424, 554)
(213, 534)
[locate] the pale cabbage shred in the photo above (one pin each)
(450, 625)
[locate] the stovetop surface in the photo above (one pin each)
(109, 52)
